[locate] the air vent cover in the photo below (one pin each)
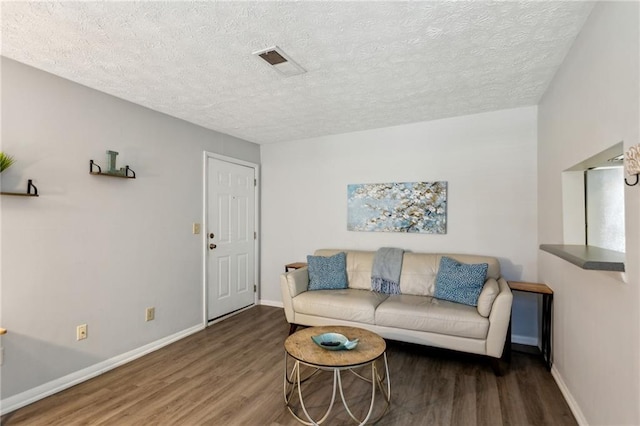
(280, 61)
(273, 57)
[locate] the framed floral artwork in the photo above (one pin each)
(416, 207)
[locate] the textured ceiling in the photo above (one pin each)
(369, 64)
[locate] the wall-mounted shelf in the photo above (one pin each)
(32, 191)
(122, 173)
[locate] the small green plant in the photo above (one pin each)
(5, 161)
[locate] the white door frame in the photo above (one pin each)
(205, 227)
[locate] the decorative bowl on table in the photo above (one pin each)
(334, 342)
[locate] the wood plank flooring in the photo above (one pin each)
(232, 374)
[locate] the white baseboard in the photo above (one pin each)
(32, 395)
(571, 402)
(524, 340)
(273, 303)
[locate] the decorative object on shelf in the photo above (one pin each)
(334, 342)
(632, 163)
(5, 161)
(122, 172)
(32, 191)
(416, 207)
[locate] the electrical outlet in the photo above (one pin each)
(196, 228)
(150, 314)
(81, 332)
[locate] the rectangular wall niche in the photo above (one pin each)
(593, 201)
(416, 207)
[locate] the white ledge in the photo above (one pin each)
(588, 257)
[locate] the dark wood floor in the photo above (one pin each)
(232, 374)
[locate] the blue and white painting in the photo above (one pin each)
(419, 207)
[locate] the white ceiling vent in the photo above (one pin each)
(280, 61)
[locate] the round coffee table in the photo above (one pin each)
(303, 350)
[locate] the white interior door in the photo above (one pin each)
(230, 237)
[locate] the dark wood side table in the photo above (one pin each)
(294, 265)
(547, 302)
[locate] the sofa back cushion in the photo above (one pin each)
(419, 270)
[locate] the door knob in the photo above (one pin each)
(212, 246)
(211, 235)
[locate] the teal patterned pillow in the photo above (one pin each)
(460, 282)
(327, 273)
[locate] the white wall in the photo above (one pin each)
(95, 250)
(591, 105)
(489, 161)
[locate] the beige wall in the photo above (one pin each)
(591, 105)
(488, 160)
(90, 249)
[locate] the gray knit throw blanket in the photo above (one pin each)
(385, 274)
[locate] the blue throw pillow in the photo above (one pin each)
(327, 273)
(460, 282)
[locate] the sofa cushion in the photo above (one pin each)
(487, 296)
(359, 265)
(424, 313)
(346, 304)
(418, 275)
(419, 270)
(327, 272)
(493, 269)
(460, 282)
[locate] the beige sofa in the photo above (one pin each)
(415, 315)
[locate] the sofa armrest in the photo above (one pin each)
(488, 295)
(499, 320)
(293, 283)
(297, 281)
